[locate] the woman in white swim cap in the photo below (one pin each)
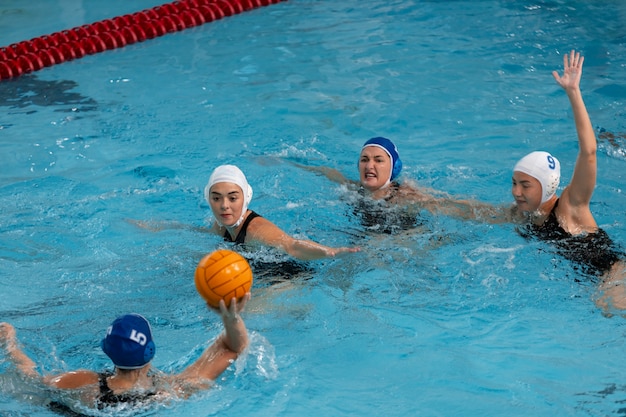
(536, 176)
(566, 220)
(229, 194)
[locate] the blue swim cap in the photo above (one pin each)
(128, 342)
(391, 150)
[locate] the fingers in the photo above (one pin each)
(7, 332)
(222, 307)
(341, 251)
(246, 298)
(243, 301)
(235, 306)
(574, 59)
(232, 308)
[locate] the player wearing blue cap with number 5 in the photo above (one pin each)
(128, 343)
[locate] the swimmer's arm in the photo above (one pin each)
(268, 233)
(221, 354)
(307, 250)
(470, 210)
(28, 368)
(72, 380)
(157, 226)
(22, 362)
(460, 208)
(330, 173)
(583, 180)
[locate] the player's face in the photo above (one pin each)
(526, 191)
(374, 168)
(226, 202)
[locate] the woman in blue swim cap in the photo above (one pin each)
(379, 165)
(133, 383)
(388, 204)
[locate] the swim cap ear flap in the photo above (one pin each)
(149, 351)
(545, 168)
(397, 168)
(248, 195)
(389, 147)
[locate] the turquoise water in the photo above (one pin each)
(453, 318)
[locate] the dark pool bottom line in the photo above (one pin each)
(44, 51)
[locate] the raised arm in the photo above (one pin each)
(219, 356)
(583, 180)
(25, 365)
(269, 234)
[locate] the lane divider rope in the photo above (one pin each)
(47, 50)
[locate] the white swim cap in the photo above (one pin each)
(232, 174)
(545, 168)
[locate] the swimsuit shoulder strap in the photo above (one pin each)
(241, 236)
(103, 385)
(108, 397)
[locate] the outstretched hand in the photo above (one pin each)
(572, 71)
(340, 251)
(235, 307)
(8, 340)
(235, 335)
(7, 334)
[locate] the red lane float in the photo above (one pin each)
(44, 51)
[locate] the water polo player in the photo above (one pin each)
(128, 343)
(567, 220)
(229, 194)
(388, 205)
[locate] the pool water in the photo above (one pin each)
(451, 318)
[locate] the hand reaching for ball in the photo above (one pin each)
(235, 307)
(7, 334)
(236, 336)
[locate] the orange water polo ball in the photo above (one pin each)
(223, 274)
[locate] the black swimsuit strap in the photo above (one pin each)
(394, 187)
(241, 236)
(103, 385)
(552, 222)
(594, 252)
(108, 397)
